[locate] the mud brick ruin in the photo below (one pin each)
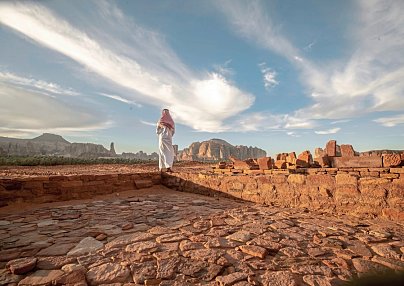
(291, 220)
(332, 156)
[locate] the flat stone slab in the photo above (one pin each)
(357, 162)
(85, 246)
(41, 277)
(56, 249)
(107, 273)
(254, 250)
(21, 265)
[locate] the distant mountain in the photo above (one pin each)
(52, 145)
(218, 149)
(49, 137)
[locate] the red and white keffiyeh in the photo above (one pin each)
(166, 119)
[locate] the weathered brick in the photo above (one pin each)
(347, 150)
(140, 184)
(10, 185)
(296, 179)
(253, 172)
(71, 184)
(397, 170)
(265, 163)
(389, 176)
(236, 187)
(326, 181)
(322, 161)
(354, 173)
(399, 181)
(356, 162)
(346, 179)
(391, 160)
(373, 191)
(33, 185)
(304, 159)
(381, 170)
(331, 148)
(280, 164)
(373, 181)
(278, 179)
(370, 174)
(347, 195)
(291, 158)
(393, 214)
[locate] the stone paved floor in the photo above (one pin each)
(162, 237)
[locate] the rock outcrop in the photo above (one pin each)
(52, 145)
(140, 156)
(217, 149)
(87, 150)
(112, 149)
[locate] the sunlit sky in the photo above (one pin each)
(280, 75)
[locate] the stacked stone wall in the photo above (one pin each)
(364, 192)
(60, 188)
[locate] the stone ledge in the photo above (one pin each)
(61, 188)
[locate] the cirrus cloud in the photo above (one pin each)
(141, 68)
(329, 131)
(391, 121)
(368, 81)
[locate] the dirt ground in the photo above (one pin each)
(97, 169)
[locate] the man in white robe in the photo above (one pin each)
(165, 131)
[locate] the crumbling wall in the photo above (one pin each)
(60, 188)
(365, 192)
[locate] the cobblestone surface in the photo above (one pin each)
(163, 237)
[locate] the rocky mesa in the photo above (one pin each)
(218, 149)
(51, 144)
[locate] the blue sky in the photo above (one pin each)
(280, 75)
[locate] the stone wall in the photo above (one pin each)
(60, 188)
(364, 192)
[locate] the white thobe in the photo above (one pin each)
(166, 149)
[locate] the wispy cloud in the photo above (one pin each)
(391, 121)
(264, 121)
(249, 21)
(269, 76)
(329, 131)
(368, 81)
(293, 134)
(309, 46)
(14, 133)
(292, 122)
(148, 123)
(224, 69)
(120, 98)
(25, 110)
(140, 62)
(36, 84)
(340, 121)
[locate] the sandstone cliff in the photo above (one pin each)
(217, 149)
(51, 144)
(140, 156)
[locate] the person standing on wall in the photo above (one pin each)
(165, 131)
